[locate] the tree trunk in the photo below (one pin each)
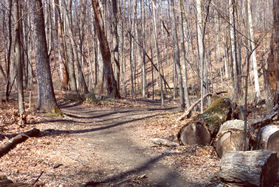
(183, 54)
(18, 54)
(115, 48)
(272, 73)
(249, 168)
(111, 84)
(252, 44)
(158, 58)
(143, 49)
(46, 98)
(9, 51)
(177, 58)
(200, 50)
(234, 58)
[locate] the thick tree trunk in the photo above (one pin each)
(111, 84)
(249, 168)
(272, 82)
(46, 98)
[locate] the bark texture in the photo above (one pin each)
(111, 83)
(46, 98)
(249, 168)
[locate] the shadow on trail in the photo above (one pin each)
(169, 178)
(70, 104)
(54, 132)
(96, 116)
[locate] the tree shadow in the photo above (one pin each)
(55, 132)
(170, 178)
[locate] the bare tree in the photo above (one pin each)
(111, 84)
(46, 97)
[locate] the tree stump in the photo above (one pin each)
(249, 168)
(269, 138)
(230, 137)
(205, 126)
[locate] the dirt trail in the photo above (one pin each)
(112, 139)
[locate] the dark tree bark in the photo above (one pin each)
(9, 51)
(111, 84)
(115, 49)
(18, 54)
(272, 73)
(46, 97)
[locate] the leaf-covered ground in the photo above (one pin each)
(105, 143)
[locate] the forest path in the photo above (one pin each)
(109, 145)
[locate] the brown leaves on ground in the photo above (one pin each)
(29, 159)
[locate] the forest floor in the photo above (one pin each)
(106, 143)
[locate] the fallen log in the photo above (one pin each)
(205, 126)
(165, 142)
(269, 138)
(249, 168)
(261, 122)
(18, 139)
(189, 110)
(230, 137)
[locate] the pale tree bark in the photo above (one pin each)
(111, 84)
(177, 57)
(236, 77)
(252, 44)
(155, 38)
(63, 71)
(69, 50)
(183, 54)
(46, 98)
(200, 49)
(18, 58)
(82, 84)
(132, 61)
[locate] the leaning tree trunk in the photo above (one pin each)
(249, 168)
(111, 84)
(46, 98)
(202, 128)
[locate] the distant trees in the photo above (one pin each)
(138, 48)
